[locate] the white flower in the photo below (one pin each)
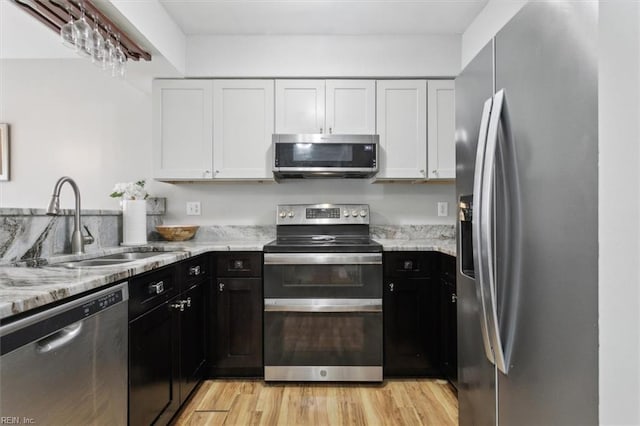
(130, 191)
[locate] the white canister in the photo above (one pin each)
(134, 222)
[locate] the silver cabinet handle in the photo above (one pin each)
(454, 298)
(320, 129)
(391, 286)
(330, 130)
(178, 306)
(220, 287)
(157, 288)
(194, 270)
(206, 173)
(188, 302)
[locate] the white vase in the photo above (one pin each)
(134, 222)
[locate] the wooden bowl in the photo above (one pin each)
(177, 232)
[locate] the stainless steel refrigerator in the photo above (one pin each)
(527, 186)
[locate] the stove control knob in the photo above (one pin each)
(283, 214)
(363, 213)
(346, 213)
(291, 214)
(354, 213)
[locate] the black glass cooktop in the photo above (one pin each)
(323, 244)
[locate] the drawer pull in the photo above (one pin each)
(220, 287)
(194, 271)
(178, 306)
(157, 288)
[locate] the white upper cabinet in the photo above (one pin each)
(299, 106)
(212, 129)
(242, 128)
(402, 126)
(349, 107)
(182, 129)
(441, 155)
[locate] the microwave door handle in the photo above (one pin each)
(479, 259)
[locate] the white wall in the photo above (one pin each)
(68, 118)
(619, 212)
(494, 16)
(323, 56)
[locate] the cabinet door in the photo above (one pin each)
(151, 366)
(192, 340)
(351, 106)
(441, 153)
(402, 125)
(239, 327)
(300, 106)
(242, 129)
(182, 129)
(410, 327)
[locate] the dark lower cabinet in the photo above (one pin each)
(167, 342)
(237, 297)
(192, 340)
(411, 314)
(448, 319)
(151, 361)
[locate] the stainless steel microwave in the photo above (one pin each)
(324, 156)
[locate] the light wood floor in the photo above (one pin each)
(254, 402)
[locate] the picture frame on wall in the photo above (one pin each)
(4, 151)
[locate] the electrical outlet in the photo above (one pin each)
(193, 208)
(443, 208)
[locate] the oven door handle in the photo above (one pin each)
(323, 305)
(323, 259)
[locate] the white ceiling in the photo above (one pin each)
(287, 17)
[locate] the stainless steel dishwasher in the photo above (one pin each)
(68, 365)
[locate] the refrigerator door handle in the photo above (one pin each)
(487, 232)
(476, 220)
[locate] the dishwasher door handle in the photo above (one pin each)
(59, 339)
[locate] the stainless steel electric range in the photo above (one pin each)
(323, 296)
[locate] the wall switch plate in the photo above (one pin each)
(193, 208)
(443, 208)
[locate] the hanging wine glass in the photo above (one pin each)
(109, 51)
(96, 41)
(67, 31)
(119, 60)
(82, 33)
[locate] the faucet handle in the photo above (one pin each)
(88, 239)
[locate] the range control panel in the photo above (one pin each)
(322, 214)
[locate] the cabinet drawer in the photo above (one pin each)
(193, 271)
(409, 264)
(149, 290)
(239, 264)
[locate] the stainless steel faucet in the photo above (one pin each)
(77, 239)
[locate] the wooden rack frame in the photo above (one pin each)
(53, 13)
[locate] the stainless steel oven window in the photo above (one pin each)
(322, 276)
(330, 339)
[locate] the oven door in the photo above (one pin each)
(323, 275)
(323, 339)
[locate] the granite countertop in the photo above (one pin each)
(27, 287)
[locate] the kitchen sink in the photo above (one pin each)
(110, 259)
